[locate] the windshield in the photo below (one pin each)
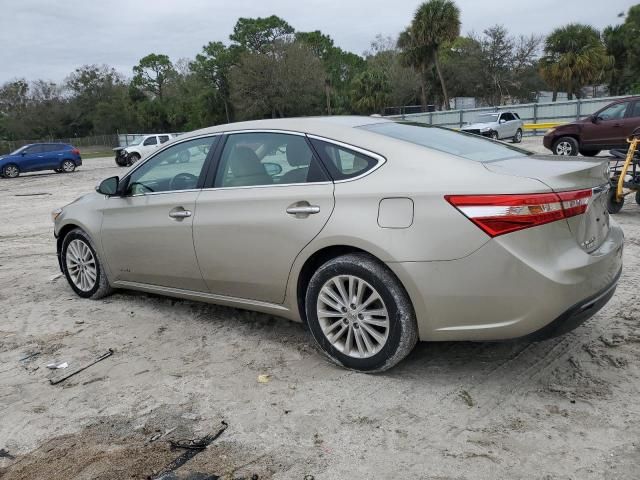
(465, 145)
(18, 150)
(487, 118)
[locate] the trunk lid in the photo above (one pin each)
(560, 174)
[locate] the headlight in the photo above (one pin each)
(55, 214)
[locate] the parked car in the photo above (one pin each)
(498, 126)
(59, 157)
(127, 156)
(374, 233)
(606, 129)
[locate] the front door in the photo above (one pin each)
(147, 234)
(149, 145)
(270, 198)
(608, 130)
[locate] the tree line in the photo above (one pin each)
(268, 70)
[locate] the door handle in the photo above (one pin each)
(179, 214)
(303, 210)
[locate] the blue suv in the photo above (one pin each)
(59, 157)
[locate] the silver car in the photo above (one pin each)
(376, 234)
(498, 126)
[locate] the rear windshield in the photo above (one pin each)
(471, 147)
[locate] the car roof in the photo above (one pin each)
(297, 124)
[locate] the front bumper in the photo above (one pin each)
(547, 141)
(478, 132)
(513, 286)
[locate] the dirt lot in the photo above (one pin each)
(561, 409)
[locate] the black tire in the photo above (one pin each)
(402, 331)
(638, 197)
(101, 287)
(11, 171)
(518, 136)
(132, 158)
(567, 146)
(589, 153)
(121, 161)
(613, 205)
(67, 166)
(494, 136)
(57, 170)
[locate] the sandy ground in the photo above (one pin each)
(567, 408)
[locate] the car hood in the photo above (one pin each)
(478, 126)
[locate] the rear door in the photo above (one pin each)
(53, 155)
(270, 198)
(632, 119)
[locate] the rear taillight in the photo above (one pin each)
(75, 151)
(500, 214)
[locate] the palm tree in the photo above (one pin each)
(370, 91)
(574, 57)
(434, 23)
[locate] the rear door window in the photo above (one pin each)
(635, 111)
(150, 141)
(342, 162)
(164, 138)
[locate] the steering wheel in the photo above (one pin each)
(138, 184)
(183, 181)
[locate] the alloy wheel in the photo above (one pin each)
(564, 148)
(11, 171)
(68, 166)
(353, 316)
(81, 265)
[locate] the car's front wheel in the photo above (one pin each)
(81, 266)
(494, 135)
(566, 146)
(10, 171)
(359, 314)
(132, 158)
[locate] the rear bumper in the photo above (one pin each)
(576, 315)
(533, 282)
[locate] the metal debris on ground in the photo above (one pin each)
(28, 356)
(98, 359)
(192, 448)
(54, 366)
(5, 454)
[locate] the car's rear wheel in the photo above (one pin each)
(10, 171)
(359, 314)
(518, 136)
(613, 205)
(81, 266)
(567, 146)
(589, 153)
(68, 166)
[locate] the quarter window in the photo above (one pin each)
(178, 167)
(342, 162)
(254, 159)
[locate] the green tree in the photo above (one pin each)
(258, 34)
(287, 82)
(213, 65)
(371, 91)
(152, 74)
(574, 57)
(435, 23)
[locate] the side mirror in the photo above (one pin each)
(108, 186)
(502, 120)
(595, 118)
(273, 169)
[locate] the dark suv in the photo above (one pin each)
(606, 129)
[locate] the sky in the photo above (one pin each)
(48, 39)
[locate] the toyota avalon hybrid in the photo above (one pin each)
(375, 234)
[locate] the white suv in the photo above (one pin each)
(147, 144)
